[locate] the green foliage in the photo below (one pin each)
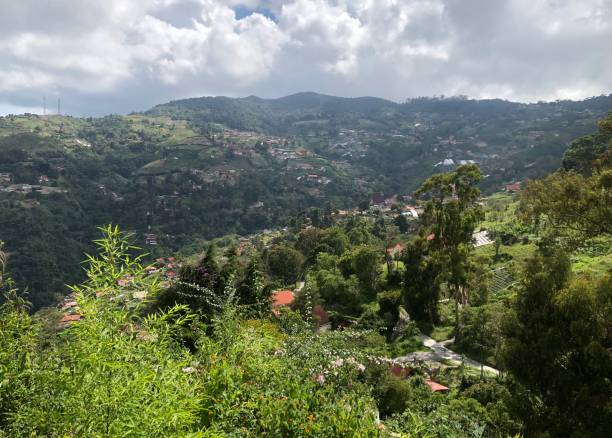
(556, 345)
(119, 373)
(285, 263)
(584, 151)
(17, 346)
(365, 261)
(450, 215)
(571, 205)
(422, 276)
(111, 373)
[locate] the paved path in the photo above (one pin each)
(439, 352)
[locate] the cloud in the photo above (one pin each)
(123, 55)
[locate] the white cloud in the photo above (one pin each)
(130, 54)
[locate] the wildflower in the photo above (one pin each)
(338, 362)
(360, 367)
(189, 370)
(320, 378)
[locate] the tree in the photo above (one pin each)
(401, 222)
(252, 290)
(365, 261)
(340, 295)
(582, 154)
(286, 263)
(557, 346)
(421, 290)
(198, 286)
(575, 203)
(570, 204)
(450, 215)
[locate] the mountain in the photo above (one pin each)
(191, 170)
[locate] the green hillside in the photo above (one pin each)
(192, 170)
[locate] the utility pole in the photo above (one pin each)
(58, 106)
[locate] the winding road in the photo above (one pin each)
(439, 352)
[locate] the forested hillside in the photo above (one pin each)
(451, 315)
(189, 171)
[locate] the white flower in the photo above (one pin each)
(189, 370)
(338, 362)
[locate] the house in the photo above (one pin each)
(68, 319)
(151, 269)
(43, 179)
(151, 239)
(6, 178)
(282, 298)
(409, 210)
(513, 188)
(482, 238)
(434, 386)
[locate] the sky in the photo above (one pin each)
(118, 56)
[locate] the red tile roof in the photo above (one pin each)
(67, 319)
(434, 386)
(516, 187)
(282, 298)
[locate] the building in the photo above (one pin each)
(482, 238)
(282, 298)
(513, 188)
(434, 386)
(151, 239)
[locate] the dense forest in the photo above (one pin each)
(189, 171)
(452, 314)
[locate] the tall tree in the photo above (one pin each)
(451, 212)
(421, 290)
(252, 290)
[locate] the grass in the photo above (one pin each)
(401, 347)
(442, 333)
(597, 265)
(518, 253)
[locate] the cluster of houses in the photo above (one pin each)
(285, 298)
(217, 175)
(167, 267)
(6, 178)
(70, 312)
(314, 178)
(31, 188)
